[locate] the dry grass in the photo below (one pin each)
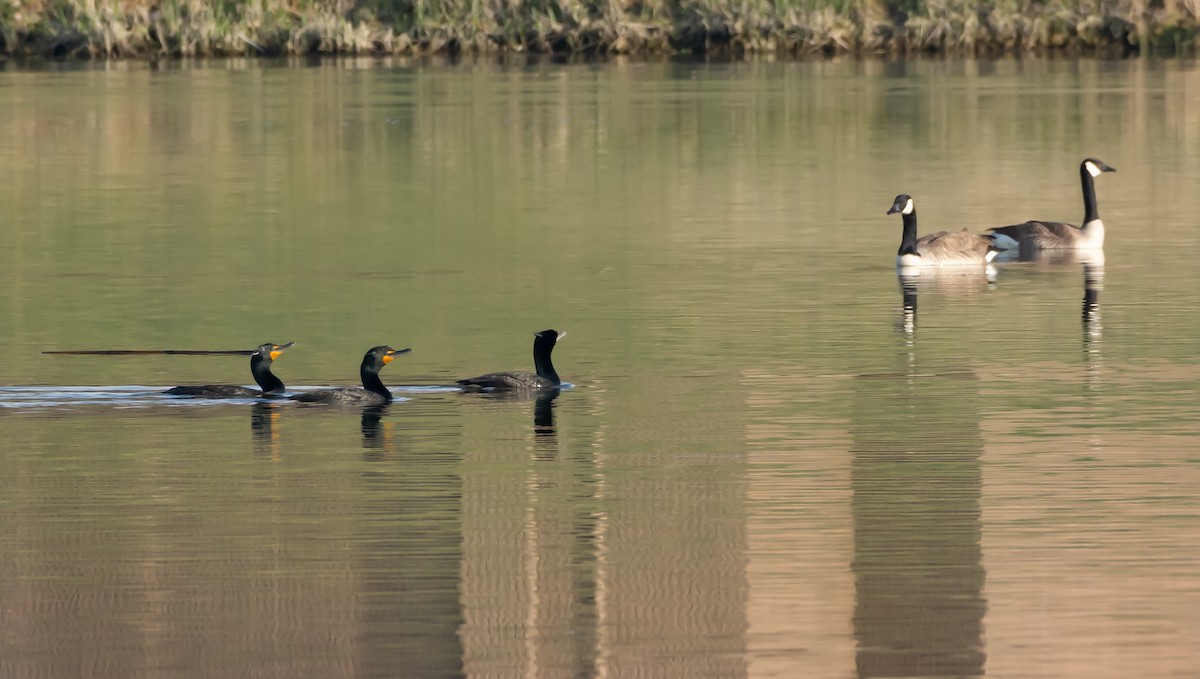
(186, 28)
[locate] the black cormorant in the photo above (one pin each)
(546, 377)
(372, 391)
(260, 367)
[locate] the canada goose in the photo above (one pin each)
(941, 249)
(1039, 235)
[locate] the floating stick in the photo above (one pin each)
(152, 352)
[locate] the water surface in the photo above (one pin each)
(777, 460)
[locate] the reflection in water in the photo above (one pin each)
(908, 317)
(263, 417)
(1093, 283)
(376, 434)
(545, 435)
(543, 411)
(152, 541)
(578, 652)
(1092, 263)
(578, 568)
(409, 553)
(949, 283)
(916, 483)
(1052, 258)
(537, 601)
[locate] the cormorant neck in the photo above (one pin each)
(543, 364)
(1090, 212)
(371, 381)
(260, 367)
(908, 242)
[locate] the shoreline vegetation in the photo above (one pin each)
(106, 29)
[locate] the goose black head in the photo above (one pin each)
(903, 204)
(1095, 166)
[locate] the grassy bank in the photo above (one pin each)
(174, 28)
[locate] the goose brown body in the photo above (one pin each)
(955, 248)
(940, 249)
(1035, 235)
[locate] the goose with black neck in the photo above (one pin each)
(943, 249)
(1036, 235)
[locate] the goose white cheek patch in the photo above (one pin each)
(1092, 169)
(908, 207)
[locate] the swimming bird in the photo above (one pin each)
(1039, 235)
(941, 249)
(260, 367)
(372, 391)
(546, 377)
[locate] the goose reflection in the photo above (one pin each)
(1092, 263)
(1093, 330)
(916, 483)
(908, 316)
(944, 283)
(1051, 259)
(1093, 283)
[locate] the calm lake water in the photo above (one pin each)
(776, 460)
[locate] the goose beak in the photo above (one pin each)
(893, 210)
(280, 348)
(1108, 168)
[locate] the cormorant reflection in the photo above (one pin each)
(545, 434)
(376, 434)
(543, 411)
(263, 416)
(408, 551)
(562, 531)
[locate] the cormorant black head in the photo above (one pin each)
(543, 345)
(377, 357)
(1095, 166)
(260, 366)
(271, 351)
(548, 338)
(903, 204)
